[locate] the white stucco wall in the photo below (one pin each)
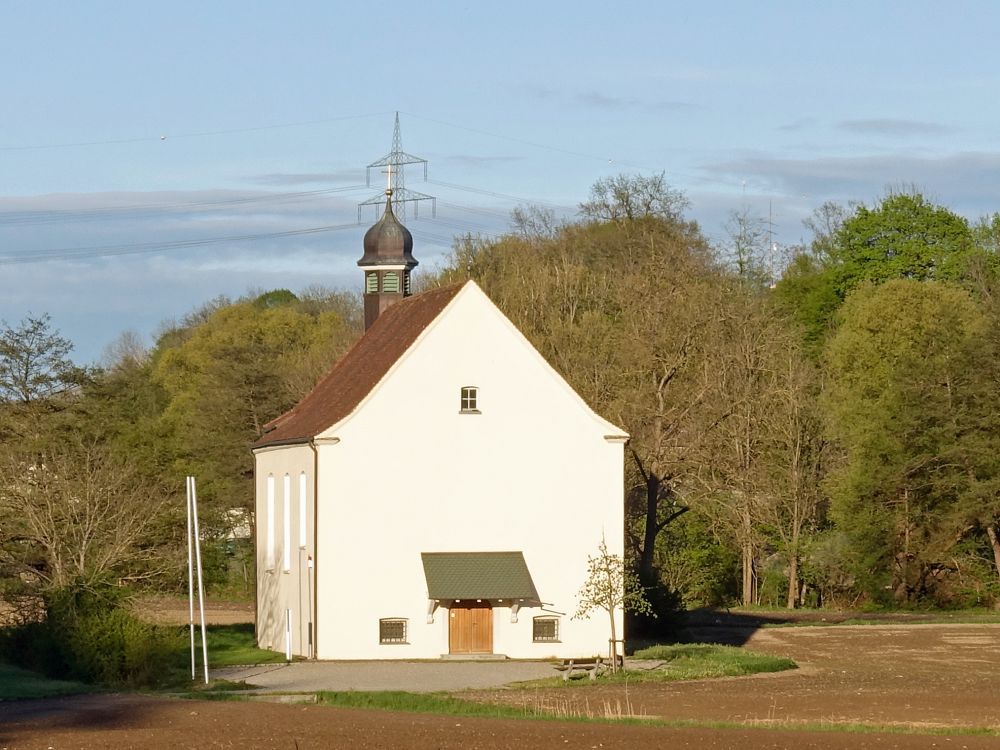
(533, 472)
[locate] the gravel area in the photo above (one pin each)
(419, 677)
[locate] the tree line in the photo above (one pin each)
(825, 436)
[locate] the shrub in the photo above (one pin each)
(89, 634)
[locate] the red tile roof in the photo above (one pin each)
(353, 377)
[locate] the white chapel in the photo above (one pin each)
(439, 490)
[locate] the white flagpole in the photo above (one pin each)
(201, 585)
(190, 577)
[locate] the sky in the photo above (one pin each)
(156, 156)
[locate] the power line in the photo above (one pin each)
(202, 134)
(50, 216)
(103, 251)
(477, 210)
(494, 194)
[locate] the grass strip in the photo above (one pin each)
(676, 662)
(695, 661)
(235, 645)
(17, 683)
(445, 704)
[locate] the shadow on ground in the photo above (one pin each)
(735, 627)
(78, 712)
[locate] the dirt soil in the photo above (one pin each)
(170, 610)
(914, 676)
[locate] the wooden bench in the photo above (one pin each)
(593, 666)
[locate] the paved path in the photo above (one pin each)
(417, 677)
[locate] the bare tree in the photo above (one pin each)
(34, 361)
(824, 223)
(795, 459)
(76, 514)
(126, 351)
(733, 463)
(628, 197)
(746, 245)
(534, 222)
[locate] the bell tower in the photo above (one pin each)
(387, 263)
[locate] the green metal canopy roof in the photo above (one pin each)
(478, 575)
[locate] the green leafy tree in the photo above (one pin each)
(909, 406)
(695, 564)
(904, 237)
(225, 377)
(807, 294)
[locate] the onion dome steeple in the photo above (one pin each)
(387, 263)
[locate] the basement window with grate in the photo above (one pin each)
(392, 631)
(545, 629)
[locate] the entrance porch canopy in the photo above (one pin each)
(478, 575)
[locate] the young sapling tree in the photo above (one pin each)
(611, 586)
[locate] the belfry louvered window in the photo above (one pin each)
(390, 282)
(406, 283)
(371, 283)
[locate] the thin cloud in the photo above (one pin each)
(966, 182)
(894, 127)
(474, 161)
(603, 101)
(167, 211)
(282, 179)
(803, 123)
(540, 92)
(599, 100)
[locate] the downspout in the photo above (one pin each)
(314, 589)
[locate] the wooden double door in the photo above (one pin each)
(470, 627)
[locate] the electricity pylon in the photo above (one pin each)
(394, 163)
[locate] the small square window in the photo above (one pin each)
(392, 631)
(470, 400)
(545, 629)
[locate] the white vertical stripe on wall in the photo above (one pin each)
(269, 556)
(302, 510)
(286, 525)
